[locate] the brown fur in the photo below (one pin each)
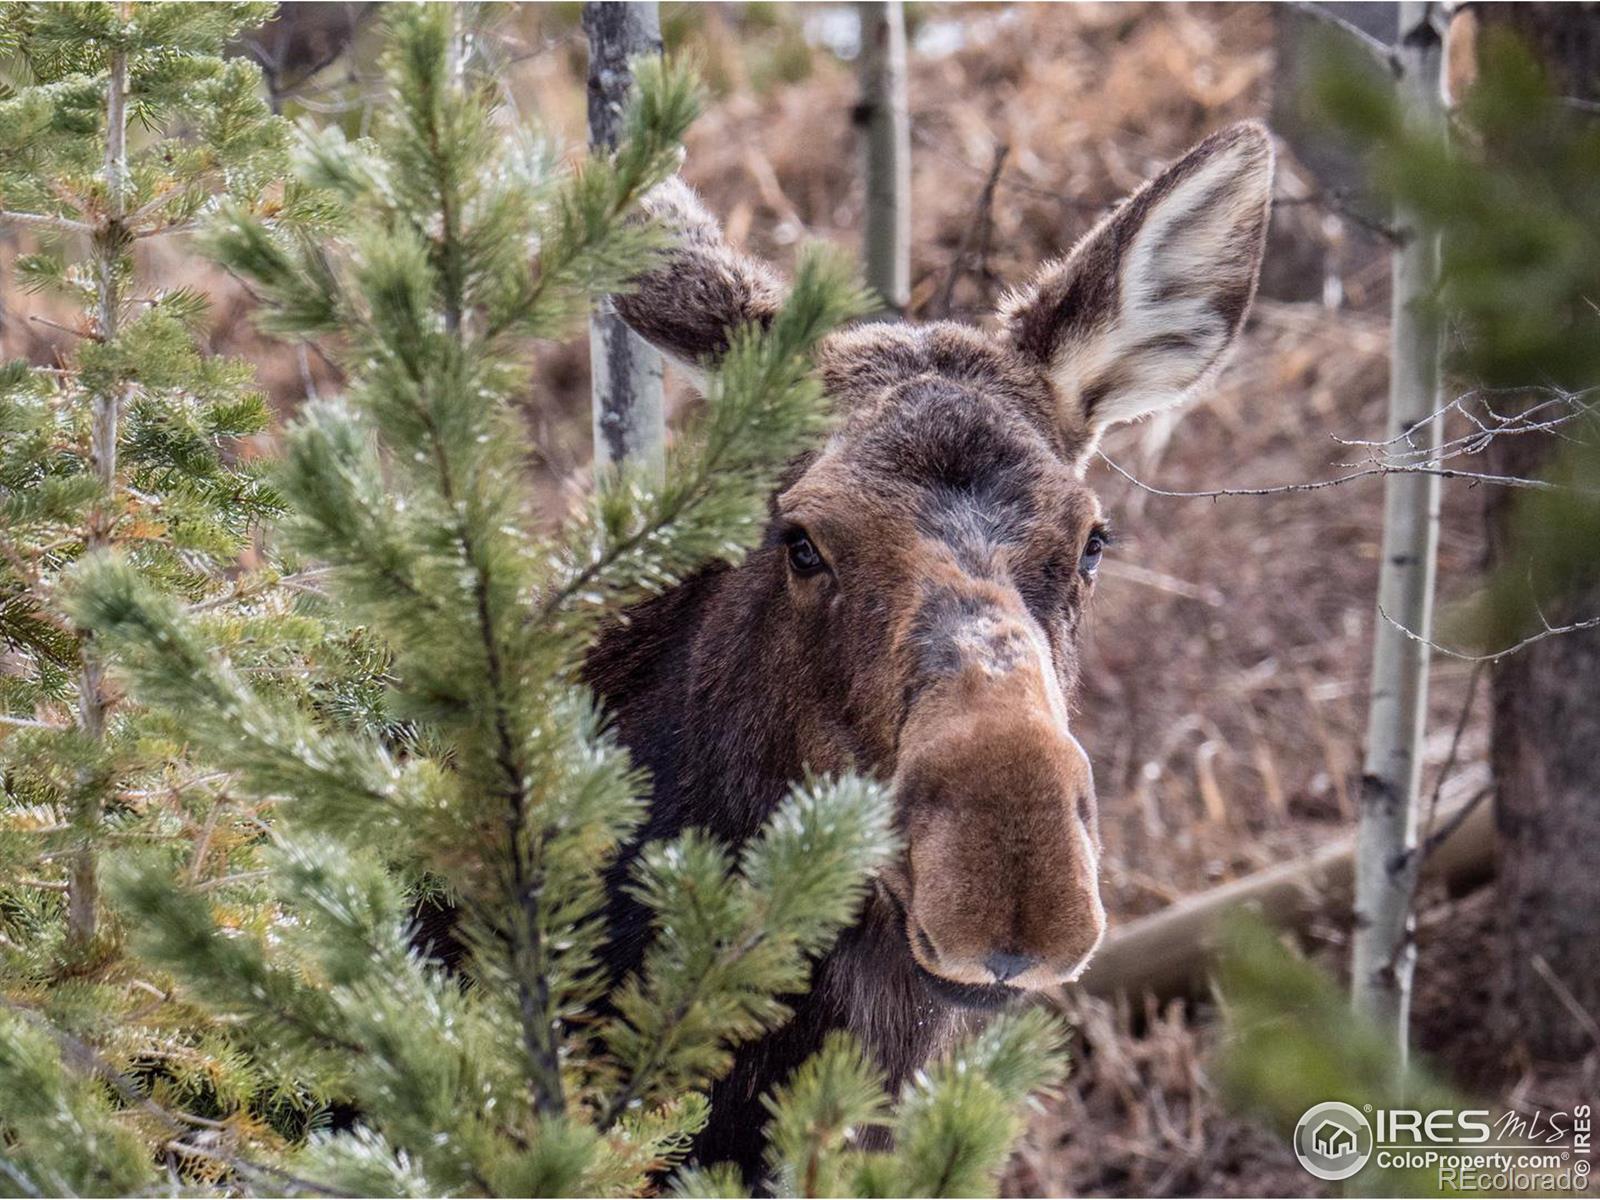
(938, 647)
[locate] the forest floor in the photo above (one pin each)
(1225, 678)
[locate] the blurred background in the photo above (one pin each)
(1225, 680)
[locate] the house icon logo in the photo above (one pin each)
(1333, 1140)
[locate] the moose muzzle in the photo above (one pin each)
(1000, 880)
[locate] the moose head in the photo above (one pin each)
(923, 586)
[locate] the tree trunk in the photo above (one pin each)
(1382, 951)
(1545, 716)
(630, 424)
(109, 239)
(885, 120)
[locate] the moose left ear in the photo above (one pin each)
(1145, 307)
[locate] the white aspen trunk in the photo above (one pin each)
(1383, 953)
(109, 240)
(630, 424)
(885, 119)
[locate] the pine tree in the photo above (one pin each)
(120, 125)
(452, 241)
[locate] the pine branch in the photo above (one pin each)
(726, 943)
(87, 1060)
(835, 1094)
(760, 407)
(341, 782)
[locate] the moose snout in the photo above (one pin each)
(1002, 859)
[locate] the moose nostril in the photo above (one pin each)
(1006, 967)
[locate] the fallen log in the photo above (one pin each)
(1169, 953)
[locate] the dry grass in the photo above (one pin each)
(1141, 1117)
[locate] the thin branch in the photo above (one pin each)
(46, 221)
(1450, 756)
(1162, 582)
(23, 1184)
(30, 723)
(1444, 833)
(1379, 49)
(249, 290)
(1568, 1001)
(1548, 631)
(63, 328)
(43, 885)
(163, 230)
(640, 1078)
(1341, 204)
(1515, 481)
(1487, 427)
(94, 700)
(1093, 207)
(980, 218)
(1335, 201)
(256, 588)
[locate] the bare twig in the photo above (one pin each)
(1450, 756)
(1440, 836)
(1581, 1015)
(163, 230)
(981, 215)
(46, 221)
(1337, 202)
(23, 1184)
(1486, 427)
(1379, 50)
(1011, 182)
(43, 885)
(1547, 632)
(30, 723)
(249, 290)
(1162, 582)
(63, 328)
(1376, 469)
(1341, 204)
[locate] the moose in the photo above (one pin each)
(915, 609)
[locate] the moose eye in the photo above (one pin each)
(1089, 561)
(803, 556)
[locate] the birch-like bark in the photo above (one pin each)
(885, 120)
(1383, 952)
(109, 241)
(630, 424)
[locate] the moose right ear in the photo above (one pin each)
(703, 290)
(1143, 311)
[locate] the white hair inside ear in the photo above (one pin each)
(1144, 310)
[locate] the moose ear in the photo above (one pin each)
(1145, 307)
(703, 290)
